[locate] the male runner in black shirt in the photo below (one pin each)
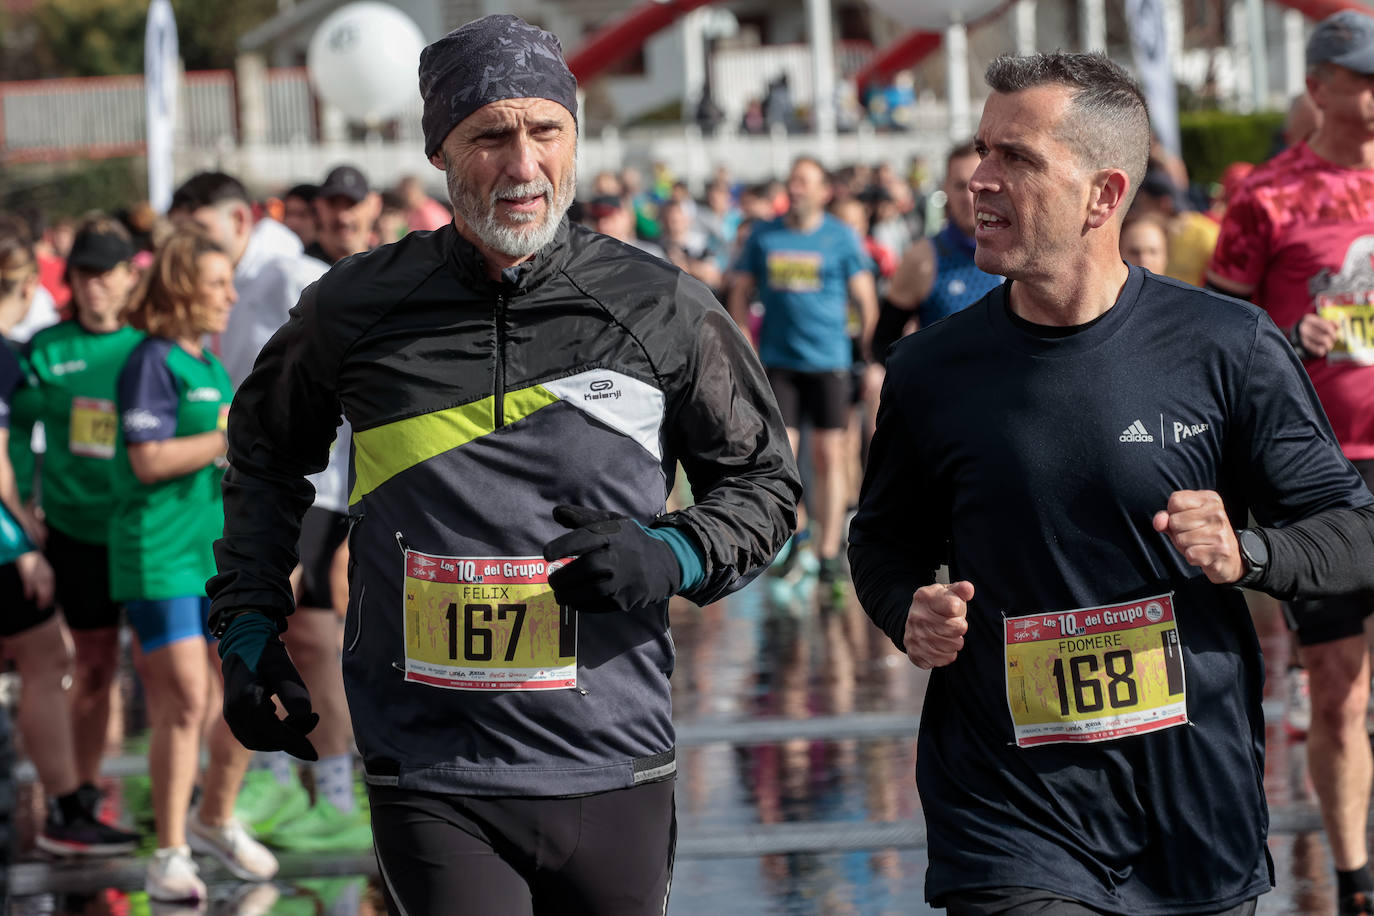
(1078, 447)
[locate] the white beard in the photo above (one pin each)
(518, 241)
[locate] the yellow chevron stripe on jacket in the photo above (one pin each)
(382, 452)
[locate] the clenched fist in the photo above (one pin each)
(1199, 528)
(936, 624)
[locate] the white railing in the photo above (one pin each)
(752, 157)
(739, 75)
(42, 117)
(208, 111)
(105, 116)
(92, 118)
(290, 107)
(688, 154)
(298, 140)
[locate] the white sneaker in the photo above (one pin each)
(231, 844)
(172, 876)
(1297, 711)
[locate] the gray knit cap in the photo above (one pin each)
(490, 59)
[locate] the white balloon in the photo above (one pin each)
(934, 15)
(363, 60)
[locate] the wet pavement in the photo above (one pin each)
(796, 789)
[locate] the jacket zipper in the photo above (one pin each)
(500, 368)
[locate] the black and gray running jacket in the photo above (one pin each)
(583, 377)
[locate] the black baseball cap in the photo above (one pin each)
(1345, 39)
(604, 205)
(306, 192)
(344, 181)
(98, 251)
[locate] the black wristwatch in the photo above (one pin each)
(1295, 341)
(1254, 549)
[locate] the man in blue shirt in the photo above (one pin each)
(805, 267)
(937, 276)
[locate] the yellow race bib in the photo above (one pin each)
(93, 428)
(1356, 341)
(487, 623)
(795, 271)
(1095, 674)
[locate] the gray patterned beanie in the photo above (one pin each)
(490, 59)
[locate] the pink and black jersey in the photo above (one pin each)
(1301, 233)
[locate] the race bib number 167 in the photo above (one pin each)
(486, 623)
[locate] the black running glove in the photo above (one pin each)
(256, 667)
(619, 563)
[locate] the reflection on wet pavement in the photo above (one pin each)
(796, 790)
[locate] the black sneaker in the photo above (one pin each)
(1356, 904)
(83, 836)
(90, 796)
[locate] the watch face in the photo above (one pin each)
(1253, 548)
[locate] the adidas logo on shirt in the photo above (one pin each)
(1136, 432)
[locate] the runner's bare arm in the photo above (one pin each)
(9, 488)
(741, 286)
(164, 459)
(915, 276)
(1230, 287)
(864, 294)
(910, 286)
(1314, 336)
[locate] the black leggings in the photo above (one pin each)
(609, 854)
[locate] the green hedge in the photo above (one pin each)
(69, 189)
(1212, 140)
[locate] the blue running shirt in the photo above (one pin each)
(803, 283)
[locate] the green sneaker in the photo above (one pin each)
(263, 802)
(324, 828)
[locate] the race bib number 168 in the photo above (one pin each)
(1095, 674)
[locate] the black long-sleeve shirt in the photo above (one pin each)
(1033, 464)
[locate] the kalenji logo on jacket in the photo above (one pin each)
(602, 389)
(1136, 432)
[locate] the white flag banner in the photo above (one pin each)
(1150, 44)
(161, 74)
